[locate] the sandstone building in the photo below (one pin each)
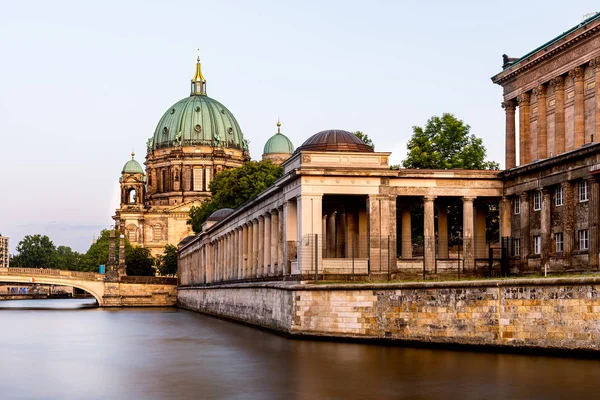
(338, 209)
(4, 252)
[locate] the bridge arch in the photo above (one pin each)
(89, 282)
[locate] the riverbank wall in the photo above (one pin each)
(557, 313)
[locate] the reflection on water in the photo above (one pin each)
(49, 304)
(98, 353)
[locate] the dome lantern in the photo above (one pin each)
(278, 148)
(198, 81)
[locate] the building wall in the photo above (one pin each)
(556, 314)
(4, 252)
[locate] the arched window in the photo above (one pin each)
(132, 197)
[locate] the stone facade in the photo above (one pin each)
(551, 314)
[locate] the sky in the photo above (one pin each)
(85, 83)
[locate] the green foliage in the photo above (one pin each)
(167, 262)
(233, 187)
(395, 167)
(66, 258)
(365, 138)
(139, 262)
(97, 254)
(35, 251)
(445, 143)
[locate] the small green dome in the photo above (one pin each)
(278, 143)
(132, 167)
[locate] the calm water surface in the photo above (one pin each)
(53, 349)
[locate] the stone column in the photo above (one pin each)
(310, 218)
(267, 257)
(524, 129)
(352, 234)
(524, 213)
(255, 228)
(340, 229)
(542, 123)
(261, 247)
(331, 235)
(281, 240)
(381, 210)
(578, 106)
(505, 217)
(468, 248)
(274, 241)
(594, 223)
(244, 251)
(324, 236)
(429, 233)
(594, 64)
(545, 225)
(510, 159)
(559, 114)
(443, 231)
(406, 232)
(480, 234)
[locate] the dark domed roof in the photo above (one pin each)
(335, 140)
(186, 240)
(220, 214)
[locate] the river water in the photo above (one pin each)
(59, 349)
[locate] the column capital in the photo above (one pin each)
(468, 198)
(546, 190)
(523, 99)
(429, 198)
(524, 196)
(274, 211)
(509, 105)
(595, 62)
(540, 91)
(558, 82)
(576, 73)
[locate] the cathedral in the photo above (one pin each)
(195, 139)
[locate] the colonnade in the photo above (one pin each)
(537, 144)
(251, 250)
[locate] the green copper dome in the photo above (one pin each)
(278, 143)
(197, 120)
(132, 167)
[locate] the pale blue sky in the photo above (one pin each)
(85, 83)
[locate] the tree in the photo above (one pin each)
(97, 254)
(36, 251)
(139, 262)
(66, 258)
(233, 187)
(167, 263)
(445, 143)
(365, 138)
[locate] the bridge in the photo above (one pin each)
(127, 291)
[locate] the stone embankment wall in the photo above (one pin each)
(139, 291)
(561, 313)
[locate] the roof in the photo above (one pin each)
(132, 166)
(335, 140)
(594, 17)
(220, 214)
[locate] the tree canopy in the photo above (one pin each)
(35, 251)
(97, 254)
(167, 263)
(446, 143)
(365, 138)
(233, 187)
(139, 262)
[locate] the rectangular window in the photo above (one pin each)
(198, 177)
(558, 242)
(583, 191)
(516, 247)
(207, 179)
(517, 204)
(537, 200)
(558, 196)
(537, 245)
(584, 240)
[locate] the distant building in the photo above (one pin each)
(4, 257)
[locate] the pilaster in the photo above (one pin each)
(579, 131)
(510, 159)
(468, 225)
(524, 129)
(542, 123)
(429, 233)
(559, 114)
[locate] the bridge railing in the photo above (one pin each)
(90, 276)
